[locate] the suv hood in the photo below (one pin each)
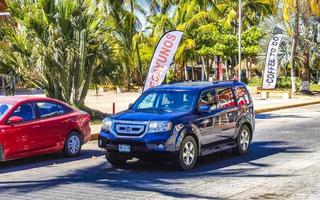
(148, 115)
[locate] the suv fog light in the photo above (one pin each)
(161, 146)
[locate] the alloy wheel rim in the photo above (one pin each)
(244, 140)
(74, 144)
(188, 153)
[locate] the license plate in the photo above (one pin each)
(124, 148)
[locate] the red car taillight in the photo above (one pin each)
(88, 117)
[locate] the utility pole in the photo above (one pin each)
(239, 35)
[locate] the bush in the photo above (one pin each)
(171, 76)
(283, 82)
(255, 81)
(314, 87)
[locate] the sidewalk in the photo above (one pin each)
(104, 101)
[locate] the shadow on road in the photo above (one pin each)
(44, 160)
(161, 178)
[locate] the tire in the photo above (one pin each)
(188, 154)
(72, 144)
(243, 140)
(116, 159)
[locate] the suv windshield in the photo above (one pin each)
(4, 107)
(166, 101)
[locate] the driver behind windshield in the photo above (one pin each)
(178, 101)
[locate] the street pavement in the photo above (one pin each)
(284, 163)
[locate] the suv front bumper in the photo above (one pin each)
(149, 144)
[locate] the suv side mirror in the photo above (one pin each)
(204, 109)
(130, 106)
(15, 119)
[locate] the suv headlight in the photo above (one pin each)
(159, 126)
(107, 124)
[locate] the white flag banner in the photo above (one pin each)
(271, 66)
(162, 58)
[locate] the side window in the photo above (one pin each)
(225, 98)
(49, 109)
(25, 111)
(242, 96)
(148, 101)
(207, 98)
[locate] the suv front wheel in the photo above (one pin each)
(115, 158)
(188, 153)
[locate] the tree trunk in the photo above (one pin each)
(204, 65)
(247, 69)
(233, 66)
(294, 47)
(227, 69)
(141, 80)
(186, 75)
(85, 87)
(192, 71)
(305, 76)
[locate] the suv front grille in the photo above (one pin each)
(129, 128)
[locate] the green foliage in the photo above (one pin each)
(64, 46)
(315, 87)
(283, 82)
(250, 41)
(216, 43)
(255, 81)
(171, 76)
(58, 45)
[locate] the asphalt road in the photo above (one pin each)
(284, 163)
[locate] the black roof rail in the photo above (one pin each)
(224, 81)
(189, 81)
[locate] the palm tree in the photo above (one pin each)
(128, 35)
(57, 46)
(304, 8)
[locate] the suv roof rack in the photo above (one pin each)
(224, 81)
(213, 82)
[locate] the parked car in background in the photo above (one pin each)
(180, 122)
(32, 126)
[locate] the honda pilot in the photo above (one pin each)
(180, 122)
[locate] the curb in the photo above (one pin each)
(94, 136)
(263, 110)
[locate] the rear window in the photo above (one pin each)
(49, 109)
(225, 98)
(242, 96)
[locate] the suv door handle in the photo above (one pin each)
(36, 126)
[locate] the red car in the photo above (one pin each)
(32, 126)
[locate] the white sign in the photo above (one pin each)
(271, 66)
(162, 58)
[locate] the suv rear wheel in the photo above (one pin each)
(188, 154)
(243, 140)
(115, 158)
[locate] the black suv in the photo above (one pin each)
(180, 122)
